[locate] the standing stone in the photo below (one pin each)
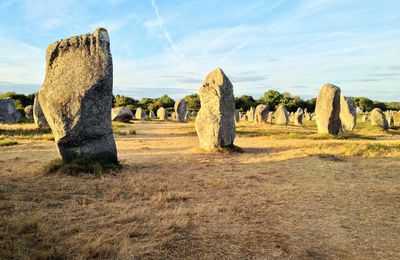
(140, 114)
(261, 114)
(348, 114)
(271, 117)
(187, 116)
(28, 111)
(162, 114)
(180, 109)
(8, 112)
(365, 118)
(174, 116)
(38, 116)
(237, 115)
(151, 114)
(215, 122)
(251, 114)
(244, 117)
(76, 96)
(378, 118)
(328, 109)
(307, 117)
(281, 116)
(390, 120)
(298, 117)
(120, 114)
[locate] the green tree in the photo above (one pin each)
(273, 98)
(192, 102)
(245, 102)
(124, 101)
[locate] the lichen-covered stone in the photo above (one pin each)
(215, 122)
(8, 112)
(348, 114)
(261, 114)
(328, 109)
(378, 118)
(180, 110)
(76, 96)
(281, 116)
(120, 114)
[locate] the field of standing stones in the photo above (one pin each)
(215, 183)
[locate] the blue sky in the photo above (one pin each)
(169, 46)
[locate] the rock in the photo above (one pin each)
(174, 116)
(390, 120)
(187, 116)
(378, 118)
(243, 117)
(140, 114)
(298, 117)
(251, 114)
(215, 122)
(281, 116)
(28, 110)
(76, 96)
(8, 112)
(151, 114)
(365, 118)
(162, 114)
(261, 114)
(120, 114)
(348, 114)
(237, 115)
(180, 109)
(271, 117)
(328, 109)
(38, 116)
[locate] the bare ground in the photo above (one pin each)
(300, 198)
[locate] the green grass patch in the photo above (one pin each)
(82, 166)
(8, 142)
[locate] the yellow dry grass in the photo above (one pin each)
(291, 194)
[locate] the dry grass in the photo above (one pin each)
(25, 131)
(298, 197)
(7, 142)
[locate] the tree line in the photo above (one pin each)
(271, 97)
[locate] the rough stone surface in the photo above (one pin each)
(237, 115)
(215, 122)
(390, 120)
(151, 114)
(162, 114)
(328, 109)
(8, 112)
(271, 117)
(140, 114)
(121, 114)
(180, 110)
(38, 116)
(28, 110)
(365, 118)
(298, 117)
(261, 114)
(378, 118)
(174, 116)
(348, 114)
(281, 116)
(243, 117)
(251, 114)
(76, 96)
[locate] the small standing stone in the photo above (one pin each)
(251, 114)
(140, 113)
(348, 114)
(162, 114)
(8, 112)
(281, 116)
(121, 114)
(328, 109)
(180, 110)
(28, 111)
(298, 117)
(261, 114)
(378, 118)
(38, 116)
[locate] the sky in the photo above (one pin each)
(168, 46)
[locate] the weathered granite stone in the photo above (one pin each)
(261, 114)
(180, 110)
(328, 109)
(215, 122)
(38, 116)
(28, 110)
(298, 117)
(348, 114)
(237, 115)
(76, 96)
(281, 116)
(8, 112)
(121, 114)
(162, 114)
(378, 118)
(140, 113)
(251, 114)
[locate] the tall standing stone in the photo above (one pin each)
(251, 114)
(390, 120)
(328, 109)
(281, 116)
(348, 114)
(261, 114)
(378, 118)
(151, 114)
(180, 110)
(298, 117)
(28, 110)
(38, 116)
(76, 96)
(8, 112)
(140, 114)
(215, 122)
(162, 113)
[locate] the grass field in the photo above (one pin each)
(291, 194)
